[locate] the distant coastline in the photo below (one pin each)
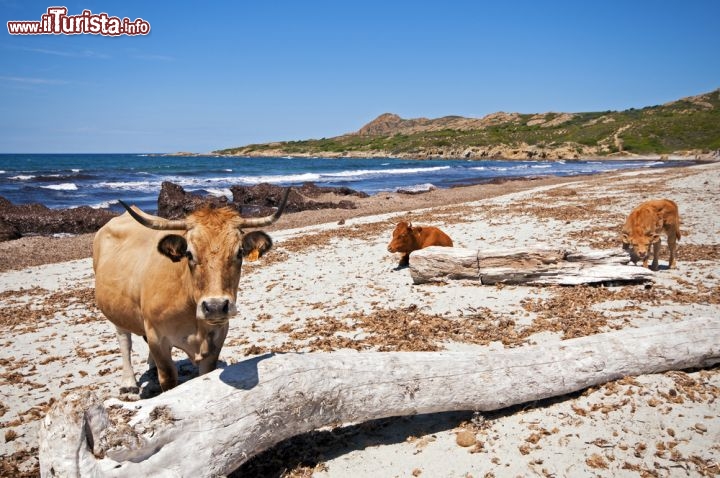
(688, 128)
(380, 155)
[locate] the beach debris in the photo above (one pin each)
(465, 438)
(260, 406)
(532, 265)
(416, 189)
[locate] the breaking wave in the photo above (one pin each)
(61, 187)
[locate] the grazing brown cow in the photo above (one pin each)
(174, 282)
(407, 238)
(643, 227)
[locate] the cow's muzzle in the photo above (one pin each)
(216, 309)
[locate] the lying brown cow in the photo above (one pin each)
(174, 282)
(643, 227)
(407, 238)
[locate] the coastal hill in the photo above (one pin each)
(689, 126)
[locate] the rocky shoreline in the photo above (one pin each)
(522, 152)
(21, 220)
(174, 202)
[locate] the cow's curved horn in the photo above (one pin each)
(264, 221)
(158, 224)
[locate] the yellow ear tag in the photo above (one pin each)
(253, 255)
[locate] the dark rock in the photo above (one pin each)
(8, 232)
(252, 201)
(345, 204)
(312, 190)
(26, 219)
(175, 203)
(263, 198)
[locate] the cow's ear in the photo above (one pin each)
(255, 244)
(173, 247)
(625, 237)
(655, 238)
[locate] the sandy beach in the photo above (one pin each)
(330, 284)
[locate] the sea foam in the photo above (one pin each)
(61, 187)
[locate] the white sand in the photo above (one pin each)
(660, 425)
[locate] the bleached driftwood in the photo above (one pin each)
(530, 266)
(214, 423)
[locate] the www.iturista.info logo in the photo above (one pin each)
(57, 22)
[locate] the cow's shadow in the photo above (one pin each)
(150, 386)
(242, 375)
(661, 267)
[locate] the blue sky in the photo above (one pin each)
(218, 74)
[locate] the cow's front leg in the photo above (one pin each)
(656, 255)
(162, 356)
(128, 383)
(150, 361)
(210, 349)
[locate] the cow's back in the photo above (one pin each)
(662, 207)
(640, 219)
(653, 213)
(123, 253)
(432, 236)
(668, 211)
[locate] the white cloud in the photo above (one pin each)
(33, 81)
(66, 53)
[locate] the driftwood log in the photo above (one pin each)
(529, 266)
(212, 424)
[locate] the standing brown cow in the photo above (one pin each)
(407, 238)
(643, 227)
(174, 282)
